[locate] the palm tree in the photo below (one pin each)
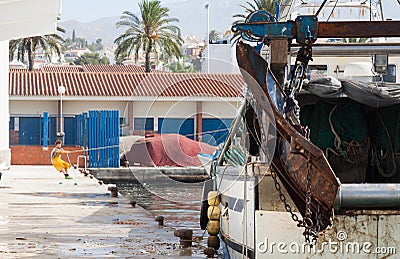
(266, 5)
(49, 43)
(152, 33)
(257, 5)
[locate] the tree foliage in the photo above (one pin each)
(91, 58)
(256, 5)
(181, 66)
(153, 32)
(80, 43)
(51, 44)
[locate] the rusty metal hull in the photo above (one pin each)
(293, 154)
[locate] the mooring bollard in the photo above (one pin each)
(133, 204)
(185, 235)
(160, 220)
(114, 190)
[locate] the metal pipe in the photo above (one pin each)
(351, 49)
(207, 6)
(370, 196)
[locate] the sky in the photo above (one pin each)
(89, 10)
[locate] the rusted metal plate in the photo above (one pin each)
(358, 29)
(388, 242)
(279, 51)
(289, 163)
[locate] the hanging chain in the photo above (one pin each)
(282, 197)
(311, 230)
(298, 74)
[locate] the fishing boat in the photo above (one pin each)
(310, 168)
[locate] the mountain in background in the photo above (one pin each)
(192, 17)
(102, 28)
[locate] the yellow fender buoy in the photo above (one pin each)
(213, 198)
(213, 227)
(214, 212)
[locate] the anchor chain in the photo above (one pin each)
(298, 74)
(311, 230)
(282, 197)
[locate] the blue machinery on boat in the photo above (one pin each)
(306, 27)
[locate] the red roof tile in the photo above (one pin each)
(62, 68)
(85, 84)
(116, 69)
(89, 68)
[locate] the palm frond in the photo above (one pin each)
(154, 32)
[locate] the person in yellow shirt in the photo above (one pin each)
(57, 162)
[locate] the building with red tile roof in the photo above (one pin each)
(148, 102)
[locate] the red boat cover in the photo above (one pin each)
(167, 150)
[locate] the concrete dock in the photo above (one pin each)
(44, 215)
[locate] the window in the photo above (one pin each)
(390, 77)
(144, 123)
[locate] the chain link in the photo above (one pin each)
(308, 222)
(311, 230)
(282, 197)
(298, 74)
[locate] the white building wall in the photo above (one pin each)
(172, 109)
(182, 109)
(69, 107)
(220, 109)
(77, 107)
(222, 59)
(33, 107)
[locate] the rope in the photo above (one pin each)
(377, 157)
(353, 151)
(333, 9)
(320, 8)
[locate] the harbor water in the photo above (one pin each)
(179, 204)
